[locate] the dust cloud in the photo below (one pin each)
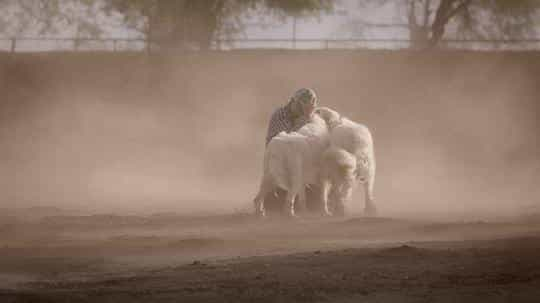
(456, 133)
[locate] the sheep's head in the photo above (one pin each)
(330, 116)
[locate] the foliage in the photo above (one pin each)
(41, 17)
(427, 20)
(188, 23)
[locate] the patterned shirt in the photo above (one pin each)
(282, 120)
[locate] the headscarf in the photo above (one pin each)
(301, 96)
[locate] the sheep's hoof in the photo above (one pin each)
(291, 215)
(260, 213)
(326, 213)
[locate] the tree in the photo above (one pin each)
(486, 19)
(197, 24)
(428, 20)
(179, 23)
(40, 17)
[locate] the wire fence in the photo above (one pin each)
(40, 44)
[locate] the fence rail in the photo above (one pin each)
(37, 44)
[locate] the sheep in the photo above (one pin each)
(338, 175)
(349, 159)
(292, 161)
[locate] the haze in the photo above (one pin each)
(455, 132)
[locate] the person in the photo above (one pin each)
(290, 117)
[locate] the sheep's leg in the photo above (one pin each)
(325, 187)
(301, 200)
(265, 188)
(296, 185)
(324, 181)
(259, 206)
(297, 191)
(289, 204)
(345, 195)
(369, 209)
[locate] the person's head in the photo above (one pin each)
(303, 102)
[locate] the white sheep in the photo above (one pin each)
(349, 159)
(292, 161)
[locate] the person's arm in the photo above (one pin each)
(270, 132)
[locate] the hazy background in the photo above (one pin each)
(179, 124)
(455, 132)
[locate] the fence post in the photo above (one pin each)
(148, 46)
(294, 32)
(114, 45)
(13, 44)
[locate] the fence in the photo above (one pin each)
(14, 45)
(25, 44)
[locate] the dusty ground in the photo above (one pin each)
(235, 258)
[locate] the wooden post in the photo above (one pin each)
(294, 32)
(148, 41)
(149, 34)
(114, 45)
(13, 45)
(148, 46)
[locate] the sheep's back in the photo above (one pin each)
(315, 128)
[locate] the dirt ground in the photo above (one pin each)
(237, 258)
(456, 133)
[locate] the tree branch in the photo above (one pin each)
(445, 12)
